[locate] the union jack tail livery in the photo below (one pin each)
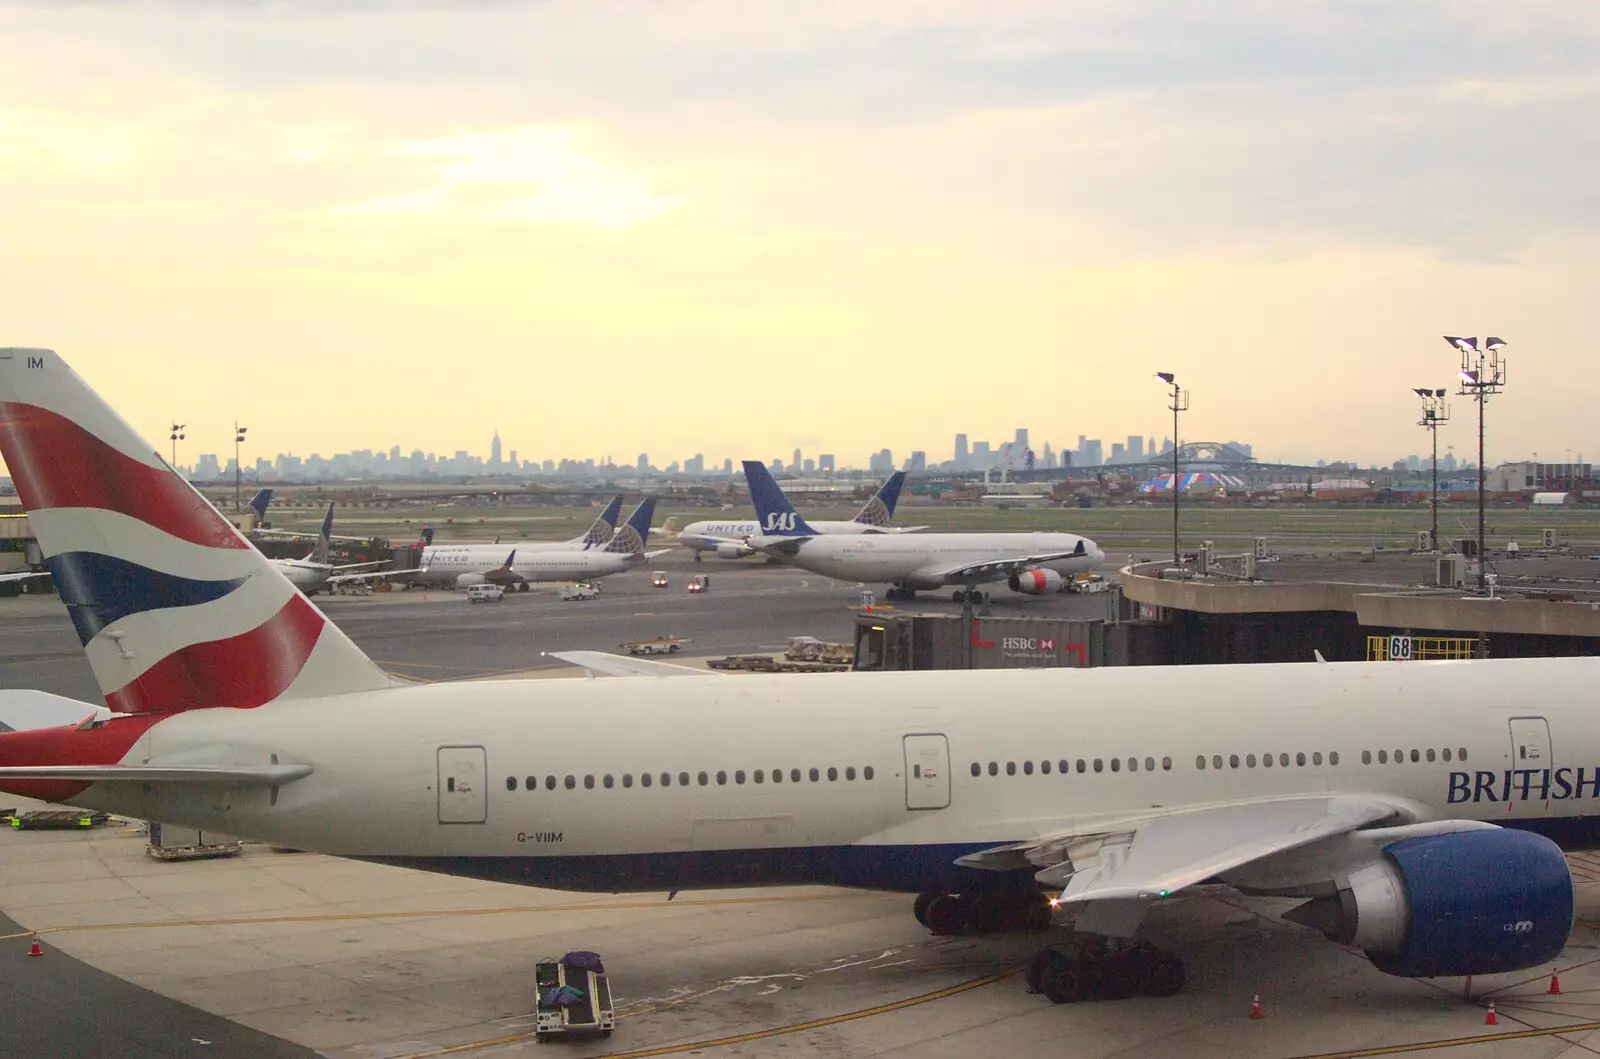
(176, 610)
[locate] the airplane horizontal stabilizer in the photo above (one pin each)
(24, 709)
(228, 775)
(609, 665)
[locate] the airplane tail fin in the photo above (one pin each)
(631, 535)
(879, 509)
(669, 528)
(325, 536)
(259, 502)
(605, 527)
(175, 609)
(774, 513)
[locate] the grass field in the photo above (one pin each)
(1143, 529)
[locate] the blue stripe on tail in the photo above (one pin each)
(774, 513)
(100, 589)
(259, 502)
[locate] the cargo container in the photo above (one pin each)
(951, 641)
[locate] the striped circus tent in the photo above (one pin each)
(1196, 482)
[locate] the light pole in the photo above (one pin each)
(1483, 372)
(1180, 403)
(238, 468)
(177, 436)
(1434, 413)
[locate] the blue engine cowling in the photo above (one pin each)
(1466, 902)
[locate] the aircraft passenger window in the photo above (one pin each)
(1461, 754)
(1283, 760)
(703, 778)
(683, 779)
(1044, 767)
(760, 776)
(794, 775)
(777, 775)
(1430, 754)
(1099, 765)
(1399, 756)
(644, 779)
(1011, 768)
(1266, 761)
(1415, 757)
(850, 772)
(994, 769)
(1150, 763)
(1250, 760)
(1300, 758)
(627, 779)
(866, 773)
(511, 783)
(1233, 761)
(1316, 757)
(1061, 766)
(738, 775)
(666, 779)
(833, 774)
(1383, 757)
(1200, 762)
(1082, 765)
(1133, 764)
(722, 778)
(588, 783)
(606, 781)
(1027, 768)
(815, 775)
(1116, 764)
(530, 782)
(1333, 758)
(977, 769)
(549, 783)
(1445, 753)
(1366, 757)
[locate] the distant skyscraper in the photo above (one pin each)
(642, 464)
(1118, 450)
(794, 464)
(1049, 457)
(1020, 442)
(881, 462)
(776, 466)
(962, 456)
(825, 463)
(727, 466)
(1135, 447)
(918, 462)
(981, 460)
(513, 461)
(494, 449)
(1090, 452)
(810, 465)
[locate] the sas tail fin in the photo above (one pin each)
(605, 527)
(774, 513)
(259, 502)
(175, 609)
(879, 509)
(631, 535)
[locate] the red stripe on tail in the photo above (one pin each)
(57, 463)
(241, 672)
(106, 744)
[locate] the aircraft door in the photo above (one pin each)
(927, 771)
(1530, 752)
(463, 785)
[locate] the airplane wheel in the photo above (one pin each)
(697, 557)
(987, 914)
(975, 596)
(919, 907)
(946, 914)
(1066, 979)
(958, 596)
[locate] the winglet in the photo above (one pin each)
(774, 513)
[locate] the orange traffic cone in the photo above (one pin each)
(34, 950)
(1491, 1019)
(1255, 1007)
(1555, 984)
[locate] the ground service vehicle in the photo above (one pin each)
(581, 590)
(699, 583)
(485, 593)
(659, 579)
(572, 993)
(661, 645)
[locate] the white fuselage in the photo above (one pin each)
(447, 565)
(305, 574)
(710, 535)
(917, 560)
(456, 778)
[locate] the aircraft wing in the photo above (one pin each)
(1156, 854)
(338, 579)
(605, 664)
(24, 709)
(1009, 565)
(23, 576)
(228, 775)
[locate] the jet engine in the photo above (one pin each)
(1469, 902)
(468, 580)
(734, 551)
(1035, 582)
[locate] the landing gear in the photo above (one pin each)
(523, 587)
(999, 912)
(697, 556)
(1086, 968)
(896, 592)
(971, 595)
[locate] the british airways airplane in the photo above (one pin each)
(1418, 810)
(728, 537)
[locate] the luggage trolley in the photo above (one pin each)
(572, 994)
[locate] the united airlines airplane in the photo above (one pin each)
(1418, 810)
(728, 537)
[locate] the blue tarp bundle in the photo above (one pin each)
(584, 961)
(565, 996)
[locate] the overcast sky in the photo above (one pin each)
(738, 227)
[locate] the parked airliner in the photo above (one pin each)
(521, 566)
(728, 537)
(482, 558)
(1415, 808)
(314, 573)
(1031, 563)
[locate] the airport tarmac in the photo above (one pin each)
(359, 961)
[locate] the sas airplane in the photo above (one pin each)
(1417, 812)
(1030, 563)
(728, 538)
(463, 567)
